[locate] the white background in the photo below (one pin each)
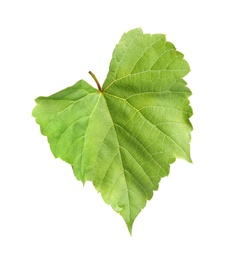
(45, 213)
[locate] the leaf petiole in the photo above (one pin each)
(96, 81)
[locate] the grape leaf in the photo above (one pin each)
(124, 136)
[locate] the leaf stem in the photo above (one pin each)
(96, 81)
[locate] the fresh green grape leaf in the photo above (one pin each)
(124, 136)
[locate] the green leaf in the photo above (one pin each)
(124, 136)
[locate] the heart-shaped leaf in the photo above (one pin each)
(124, 136)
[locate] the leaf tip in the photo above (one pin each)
(190, 160)
(130, 227)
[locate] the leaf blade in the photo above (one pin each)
(124, 138)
